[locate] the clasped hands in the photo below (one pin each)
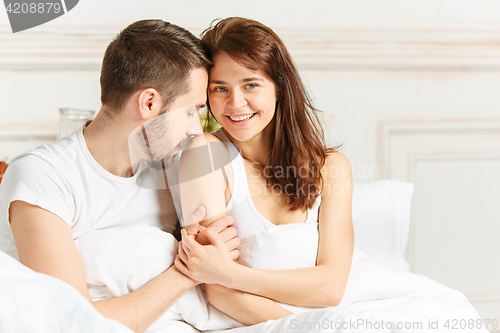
(207, 254)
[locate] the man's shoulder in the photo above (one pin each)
(48, 162)
(49, 153)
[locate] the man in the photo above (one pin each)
(85, 182)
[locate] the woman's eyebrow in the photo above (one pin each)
(255, 78)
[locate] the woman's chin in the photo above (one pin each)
(239, 135)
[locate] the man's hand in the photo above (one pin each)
(192, 224)
(222, 226)
(209, 263)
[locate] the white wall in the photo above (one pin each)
(410, 87)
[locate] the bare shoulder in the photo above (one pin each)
(336, 165)
(217, 145)
(202, 140)
(337, 175)
(201, 152)
(209, 137)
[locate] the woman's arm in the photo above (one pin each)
(246, 308)
(328, 278)
(211, 191)
(200, 182)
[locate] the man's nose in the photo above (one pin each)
(194, 127)
(236, 99)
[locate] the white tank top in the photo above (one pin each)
(248, 220)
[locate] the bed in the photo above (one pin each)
(382, 295)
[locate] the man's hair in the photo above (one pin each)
(150, 54)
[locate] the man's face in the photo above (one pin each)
(167, 134)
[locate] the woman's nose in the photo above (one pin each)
(237, 100)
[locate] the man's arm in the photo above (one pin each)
(46, 245)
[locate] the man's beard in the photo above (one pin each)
(164, 162)
(153, 142)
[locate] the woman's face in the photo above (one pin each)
(242, 101)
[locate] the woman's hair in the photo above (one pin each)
(297, 151)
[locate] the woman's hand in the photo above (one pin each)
(208, 263)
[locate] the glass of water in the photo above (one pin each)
(70, 120)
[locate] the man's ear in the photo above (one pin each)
(150, 103)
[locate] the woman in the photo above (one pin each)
(292, 180)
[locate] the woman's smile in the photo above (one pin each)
(241, 119)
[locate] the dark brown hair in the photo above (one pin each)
(150, 54)
(298, 142)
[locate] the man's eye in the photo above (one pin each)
(220, 89)
(251, 85)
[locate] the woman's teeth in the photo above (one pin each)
(241, 117)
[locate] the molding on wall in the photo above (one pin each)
(388, 129)
(29, 131)
(395, 49)
(82, 48)
(413, 159)
(68, 49)
(18, 137)
(408, 159)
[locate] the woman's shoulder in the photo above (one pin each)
(216, 145)
(335, 157)
(219, 135)
(212, 137)
(336, 166)
(201, 140)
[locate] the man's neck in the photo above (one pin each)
(106, 138)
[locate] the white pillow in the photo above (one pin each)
(381, 218)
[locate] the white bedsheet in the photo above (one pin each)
(120, 260)
(34, 302)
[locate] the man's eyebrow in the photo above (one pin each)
(217, 82)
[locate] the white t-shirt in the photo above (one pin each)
(63, 178)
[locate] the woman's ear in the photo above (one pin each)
(150, 103)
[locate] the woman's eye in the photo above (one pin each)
(191, 114)
(220, 89)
